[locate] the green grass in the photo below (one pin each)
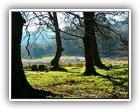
(111, 83)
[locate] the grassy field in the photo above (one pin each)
(110, 84)
(46, 60)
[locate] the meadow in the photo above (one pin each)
(110, 84)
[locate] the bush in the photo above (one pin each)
(34, 68)
(41, 68)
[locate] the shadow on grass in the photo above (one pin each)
(54, 68)
(116, 83)
(102, 66)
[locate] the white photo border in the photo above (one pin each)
(65, 10)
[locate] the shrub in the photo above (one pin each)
(41, 68)
(34, 68)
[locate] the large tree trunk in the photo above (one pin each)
(90, 70)
(88, 43)
(18, 77)
(55, 61)
(20, 88)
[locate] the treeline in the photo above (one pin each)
(107, 47)
(38, 50)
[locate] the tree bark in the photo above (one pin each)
(96, 57)
(90, 70)
(20, 88)
(55, 61)
(88, 43)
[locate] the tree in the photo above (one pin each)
(112, 29)
(96, 57)
(88, 43)
(46, 21)
(60, 49)
(103, 28)
(79, 27)
(20, 88)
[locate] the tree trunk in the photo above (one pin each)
(88, 43)
(55, 61)
(90, 70)
(20, 88)
(96, 57)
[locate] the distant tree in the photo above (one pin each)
(20, 88)
(38, 50)
(112, 32)
(124, 34)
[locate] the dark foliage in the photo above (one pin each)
(34, 68)
(41, 67)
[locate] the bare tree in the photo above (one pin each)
(80, 27)
(102, 26)
(60, 49)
